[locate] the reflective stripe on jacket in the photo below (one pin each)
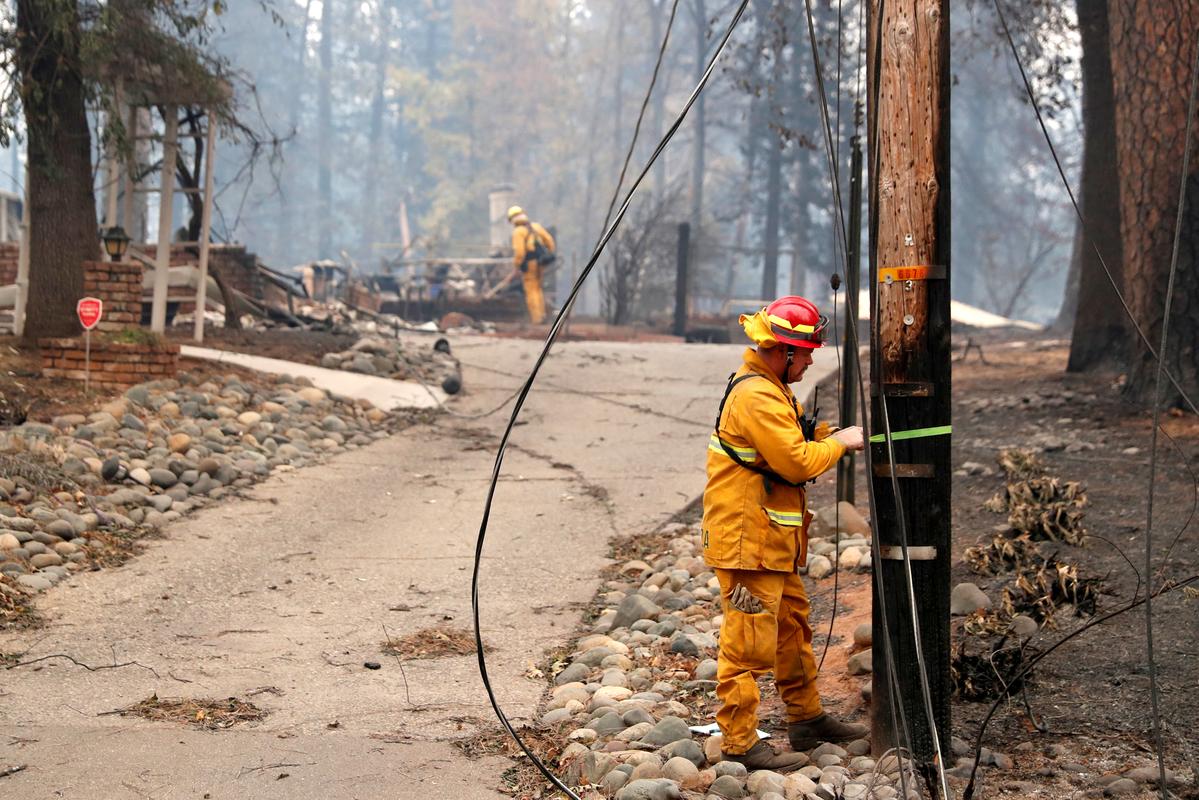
(751, 522)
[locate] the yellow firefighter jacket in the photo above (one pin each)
(751, 522)
(523, 241)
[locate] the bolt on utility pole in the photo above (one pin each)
(908, 65)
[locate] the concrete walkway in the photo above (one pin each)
(385, 393)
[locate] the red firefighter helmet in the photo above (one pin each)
(796, 321)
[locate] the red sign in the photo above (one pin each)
(89, 310)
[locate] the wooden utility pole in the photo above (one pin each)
(908, 65)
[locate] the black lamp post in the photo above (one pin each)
(116, 242)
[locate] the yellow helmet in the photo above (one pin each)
(514, 211)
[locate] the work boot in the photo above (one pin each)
(809, 733)
(763, 756)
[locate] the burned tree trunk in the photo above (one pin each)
(1153, 50)
(1099, 323)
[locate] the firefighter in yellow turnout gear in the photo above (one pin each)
(755, 535)
(529, 240)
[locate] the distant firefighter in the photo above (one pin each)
(533, 250)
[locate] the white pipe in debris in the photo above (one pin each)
(206, 225)
(18, 317)
(112, 173)
(130, 176)
(166, 204)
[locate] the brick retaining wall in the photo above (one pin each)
(8, 262)
(114, 364)
(119, 285)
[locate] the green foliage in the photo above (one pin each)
(156, 48)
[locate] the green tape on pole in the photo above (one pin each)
(918, 433)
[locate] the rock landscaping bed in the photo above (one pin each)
(625, 699)
(617, 721)
(400, 359)
(78, 492)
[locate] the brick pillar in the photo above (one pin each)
(119, 285)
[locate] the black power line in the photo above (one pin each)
(1036, 107)
(1158, 356)
(897, 710)
(559, 321)
(1154, 693)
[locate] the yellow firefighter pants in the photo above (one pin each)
(534, 299)
(779, 638)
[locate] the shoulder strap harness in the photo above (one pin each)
(806, 424)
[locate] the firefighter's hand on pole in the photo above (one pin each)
(851, 437)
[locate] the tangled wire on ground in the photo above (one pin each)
(979, 677)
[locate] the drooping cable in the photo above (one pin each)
(1028, 667)
(1161, 372)
(1036, 107)
(850, 303)
(828, 639)
(1154, 693)
(898, 713)
(653, 80)
(899, 720)
(559, 321)
(445, 408)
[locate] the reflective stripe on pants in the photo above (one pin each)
(779, 638)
